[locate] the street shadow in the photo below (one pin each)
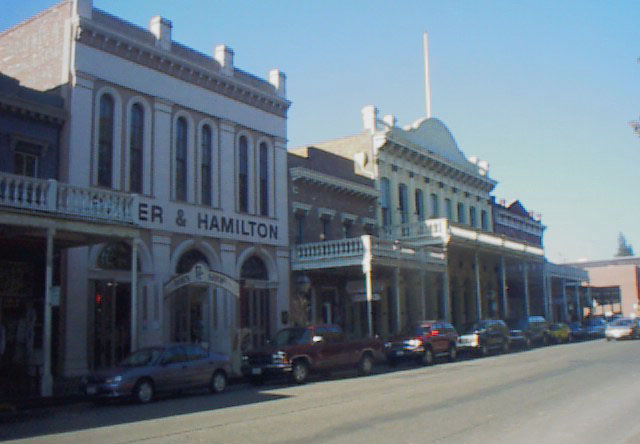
(35, 422)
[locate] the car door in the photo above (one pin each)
(438, 338)
(173, 364)
(199, 366)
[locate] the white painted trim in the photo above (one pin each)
(271, 172)
(263, 254)
(298, 173)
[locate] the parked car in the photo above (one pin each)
(423, 343)
(152, 370)
(529, 331)
(560, 333)
(623, 328)
(594, 328)
(484, 336)
(297, 351)
(578, 331)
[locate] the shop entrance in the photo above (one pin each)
(112, 326)
(191, 315)
(255, 301)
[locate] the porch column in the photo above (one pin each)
(503, 281)
(396, 296)
(46, 384)
(565, 310)
(546, 293)
(366, 268)
(525, 276)
(422, 297)
(476, 267)
(577, 299)
(446, 312)
(134, 295)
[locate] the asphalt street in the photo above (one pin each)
(586, 392)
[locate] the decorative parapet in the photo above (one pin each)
(60, 199)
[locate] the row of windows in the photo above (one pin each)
(206, 156)
(328, 229)
(434, 207)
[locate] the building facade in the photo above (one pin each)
(199, 148)
(435, 251)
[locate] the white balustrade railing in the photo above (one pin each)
(52, 196)
(327, 250)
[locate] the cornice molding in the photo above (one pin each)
(340, 185)
(100, 37)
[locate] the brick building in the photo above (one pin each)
(192, 150)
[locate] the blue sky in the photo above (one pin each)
(543, 90)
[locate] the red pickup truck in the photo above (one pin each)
(297, 351)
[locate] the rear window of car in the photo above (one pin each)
(420, 330)
(622, 323)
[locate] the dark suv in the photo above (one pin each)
(423, 342)
(484, 336)
(529, 331)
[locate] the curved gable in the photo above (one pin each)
(432, 135)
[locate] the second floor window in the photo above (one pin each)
(484, 222)
(299, 228)
(385, 201)
(26, 158)
(264, 179)
(205, 165)
(472, 217)
(461, 218)
(435, 210)
(181, 159)
(402, 200)
(448, 208)
(105, 141)
(419, 205)
(136, 140)
(243, 175)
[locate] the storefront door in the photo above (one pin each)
(112, 326)
(190, 315)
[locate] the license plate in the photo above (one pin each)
(91, 390)
(256, 371)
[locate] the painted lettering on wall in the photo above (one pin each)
(208, 222)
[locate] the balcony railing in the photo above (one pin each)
(62, 199)
(351, 252)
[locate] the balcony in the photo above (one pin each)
(60, 199)
(353, 252)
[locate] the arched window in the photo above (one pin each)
(243, 175)
(205, 165)
(181, 159)
(472, 216)
(254, 268)
(264, 179)
(136, 145)
(385, 201)
(189, 259)
(116, 256)
(105, 141)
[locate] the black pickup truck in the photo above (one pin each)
(297, 351)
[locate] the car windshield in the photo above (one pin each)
(420, 330)
(142, 357)
(622, 323)
(292, 336)
(515, 323)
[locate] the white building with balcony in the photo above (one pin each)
(193, 151)
(435, 253)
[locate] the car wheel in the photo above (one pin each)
(144, 391)
(453, 353)
(365, 367)
(427, 356)
(299, 372)
(218, 382)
